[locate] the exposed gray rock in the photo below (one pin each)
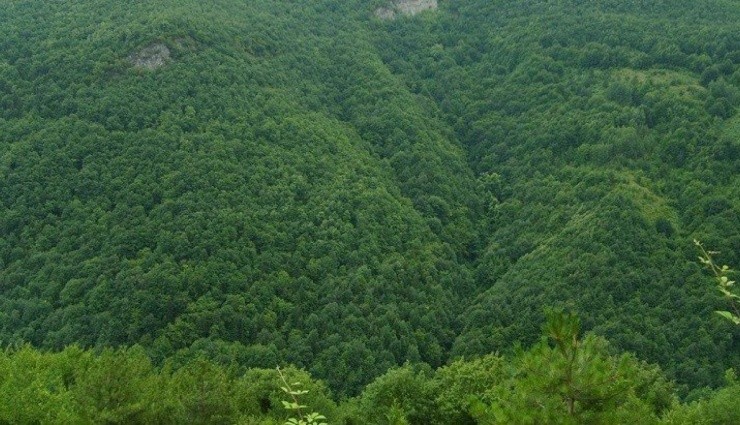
(152, 57)
(405, 7)
(385, 13)
(412, 7)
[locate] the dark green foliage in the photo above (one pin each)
(198, 204)
(603, 143)
(304, 183)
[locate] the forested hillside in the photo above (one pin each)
(252, 183)
(604, 138)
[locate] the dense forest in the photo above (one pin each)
(568, 380)
(386, 204)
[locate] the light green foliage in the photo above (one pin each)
(121, 387)
(457, 383)
(401, 395)
(35, 386)
(115, 386)
(395, 415)
(567, 380)
(575, 381)
(718, 408)
(414, 395)
(206, 392)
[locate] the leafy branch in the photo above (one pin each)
(292, 390)
(724, 284)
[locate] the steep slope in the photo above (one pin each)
(603, 140)
(227, 194)
(273, 182)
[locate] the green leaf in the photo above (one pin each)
(729, 316)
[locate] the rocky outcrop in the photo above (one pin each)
(151, 57)
(405, 7)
